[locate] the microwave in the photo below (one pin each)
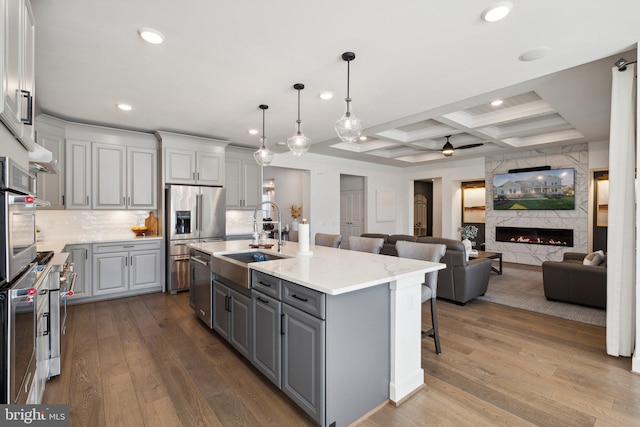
(16, 179)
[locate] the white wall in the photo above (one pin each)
(323, 192)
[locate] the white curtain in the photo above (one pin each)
(621, 231)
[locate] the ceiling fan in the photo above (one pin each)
(447, 148)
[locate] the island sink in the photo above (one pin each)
(235, 266)
(249, 257)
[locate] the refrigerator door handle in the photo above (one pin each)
(197, 226)
(198, 211)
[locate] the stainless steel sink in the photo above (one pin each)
(234, 267)
(249, 257)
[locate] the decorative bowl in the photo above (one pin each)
(139, 230)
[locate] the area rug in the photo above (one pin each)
(523, 289)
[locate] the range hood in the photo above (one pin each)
(41, 160)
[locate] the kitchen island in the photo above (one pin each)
(340, 275)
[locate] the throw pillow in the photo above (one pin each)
(594, 258)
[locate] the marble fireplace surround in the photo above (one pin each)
(570, 156)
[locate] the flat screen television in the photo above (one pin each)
(552, 189)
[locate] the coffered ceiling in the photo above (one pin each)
(423, 70)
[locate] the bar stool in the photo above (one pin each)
(366, 244)
(329, 240)
(426, 252)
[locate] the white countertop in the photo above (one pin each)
(58, 245)
(328, 270)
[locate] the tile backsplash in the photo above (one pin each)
(105, 224)
(96, 224)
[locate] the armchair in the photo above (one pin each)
(462, 280)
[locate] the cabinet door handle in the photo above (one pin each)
(128, 246)
(299, 298)
(268, 285)
(29, 119)
(86, 254)
(87, 200)
(282, 324)
(262, 300)
(63, 200)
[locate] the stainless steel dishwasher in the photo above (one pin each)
(200, 297)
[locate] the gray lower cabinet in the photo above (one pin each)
(126, 267)
(289, 344)
(303, 360)
(266, 353)
(80, 256)
(231, 316)
(330, 354)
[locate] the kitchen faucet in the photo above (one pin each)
(255, 222)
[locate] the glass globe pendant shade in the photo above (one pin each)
(263, 155)
(349, 127)
(299, 144)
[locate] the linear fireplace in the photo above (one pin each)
(535, 236)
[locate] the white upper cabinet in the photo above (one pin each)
(124, 177)
(77, 174)
(243, 179)
(109, 176)
(17, 69)
(110, 168)
(193, 167)
(192, 160)
(142, 178)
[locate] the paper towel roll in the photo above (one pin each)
(303, 239)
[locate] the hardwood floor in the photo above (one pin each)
(147, 361)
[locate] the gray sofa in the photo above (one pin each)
(462, 280)
(571, 281)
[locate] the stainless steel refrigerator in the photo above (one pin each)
(194, 214)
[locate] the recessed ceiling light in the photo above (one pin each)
(535, 54)
(363, 138)
(281, 143)
(326, 95)
(151, 36)
(253, 131)
(497, 102)
(497, 11)
(124, 107)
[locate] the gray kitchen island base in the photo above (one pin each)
(357, 353)
(328, 353)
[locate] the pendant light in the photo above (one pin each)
(263, 156)
(349, 127)
(298, 143)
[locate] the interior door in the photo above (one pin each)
(351, 215)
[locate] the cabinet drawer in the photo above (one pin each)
(100, 248)
(307, 300)
(266, 284)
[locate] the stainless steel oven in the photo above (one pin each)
(18, 220)
(21, 324)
